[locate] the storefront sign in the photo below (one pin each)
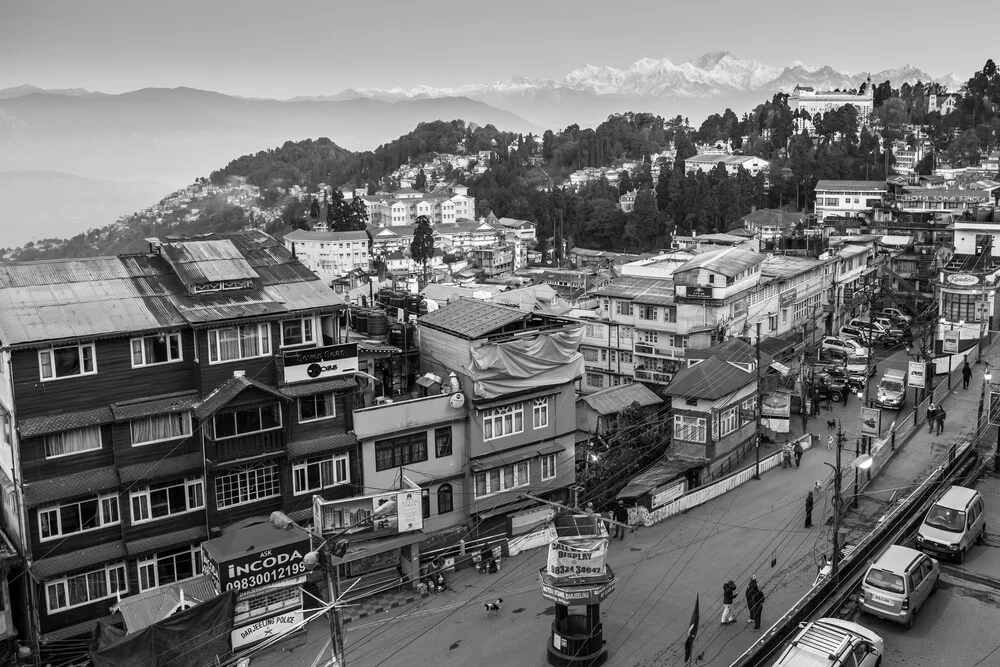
(265, 628)
(739, 308)
(978, 196)
(259, 568)
(871, 421)
(698, 292)
(962, 279)
(787, 298)
(577, 559)
(669, 494)
(321, 362)
(528, 520)
(950, 344)
(578, 595)
(917, 373)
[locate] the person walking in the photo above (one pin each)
(931, 417)
(797, 451)
(728, 595)
(939, 417)
(829, 443)
(829, 400)
(966, 374)
(816, 405)
(809, 510)
(755, 602)
(621, 516)
(786, 455)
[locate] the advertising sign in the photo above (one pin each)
(249, 570)
(950, 344)
(699, 292)
(669, 494)
(321, 362)
(578, 595)
(355, 515)
(787, 298)
(962, 279)
(529, 519)
(994, 389)
(265, 628)
(739, 307)
(577, 559)
(917, 374)
(871, 421)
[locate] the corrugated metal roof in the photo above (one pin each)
(849, 186)
(711, 379)
(36, 426)
(51, 566)
(615, 399)
(307, 389)
(207, 261)
(153, 405)
(659, 474)
(729, 262)
(654, 291)
(88, 482)
(178, 538)
(327, 443)
(171, 466)
(471, 318)
(143, 610)
(786, 266)
(309, 235)
(229, 390)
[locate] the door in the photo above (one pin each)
(864, 655)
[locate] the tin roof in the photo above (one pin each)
(229, 390)
(33, 427)
(143, 610)
(153, 405)
(326, 237)
(729, 262)
(665, 470)
(471, 318)
(850, 186)
(653, 291)
(171, 466)
(250, 539)
(208, 261)
(615, 399)
(327, 443)
(711, 379)
(307, 389)
(175, 539)
(51, 566)
(90, 482)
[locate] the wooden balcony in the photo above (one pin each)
(247, 446)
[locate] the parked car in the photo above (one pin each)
(897, 315)
(895, 336)
(838, 371)
(830, 385)
(831, 642)
(844, 346)
(898, 584)
(891, 390)
(955, 522)
(853, 333)
(870, 330)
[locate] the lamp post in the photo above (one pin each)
(862, 462)
(984, 316)
(961, 324)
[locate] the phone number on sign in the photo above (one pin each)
(268, 577)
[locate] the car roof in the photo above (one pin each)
(957, 497)
(897, 558)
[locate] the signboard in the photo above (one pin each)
(265, 628)
(354, 515)
(528, 520)
(669, 494)
(698, 292)
(962, 279)
(577, 595)
(871, 421)
(577, 559)
(979, 196)
(739, 307)
(916, 375)
(321, 362)
(787, 298)
(258, 568)
(994, 389)
(950, 344)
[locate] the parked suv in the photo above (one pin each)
(853, 333)
(876, 330)
(846, 347)
(953, 524)
(898, 583)
(897, 315)
(831, 642)
(830, 385)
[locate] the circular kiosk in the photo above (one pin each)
(577, 580)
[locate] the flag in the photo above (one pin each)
(692, 631)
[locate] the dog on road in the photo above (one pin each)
(831, 424)
(493, 606)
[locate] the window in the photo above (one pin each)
(503, 421)
(589, 354)
(691, 429)
(425, 503)
(670, 314)
(540, 413)
(297, 332)
(6, 433)
(772, 322)
(502, 479)
(748, 410)
(157, 349)
(320, 473)
(623, 307)
(66, 443)
(247, 485)
(595, 380)
(81, 589)
(728, 421)
(243, 342)
(446, 499)
(160, 427)
(442, 441)
(79, 517)
(649, 337)
(647, 312)
(317, 406)
(401, 451)
(625, 357)
(158, 501)
(548, 466)
(169, 567)
(56, 363)
(247, 420)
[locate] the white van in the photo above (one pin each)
(953, 524)
(831, 642)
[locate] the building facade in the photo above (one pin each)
(812, 101)
(848, 199)
(708, 161)
(330, 255)
(404, 206)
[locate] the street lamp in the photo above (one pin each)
(961, 324)
(862, 462)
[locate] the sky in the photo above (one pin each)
(264, 48)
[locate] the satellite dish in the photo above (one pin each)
(457, 400)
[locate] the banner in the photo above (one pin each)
(577, 559)
(916, 377)
(950, 344)
(321, 362)
(871, 421)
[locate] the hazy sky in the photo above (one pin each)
(272, 48)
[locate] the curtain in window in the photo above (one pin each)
(229, 344)
(248, 340)
(71, 442)
(508, 477)
(77, 589)
(445, 499)
(159, 427)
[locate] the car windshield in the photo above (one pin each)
(890, 385)
(946, 519)
(887, 581)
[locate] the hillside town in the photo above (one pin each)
(282, 431)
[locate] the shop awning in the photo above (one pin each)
(328, 443)
(70, 486)
(50, 566)
(173, 466)
(36, 426)
(506, 509)
(178, 538)
(488, 462)
(661, 473)
(359, 550)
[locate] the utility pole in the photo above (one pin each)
(756, 469)
(837, 502)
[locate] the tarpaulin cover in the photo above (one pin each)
(542, 360)
(193, 637)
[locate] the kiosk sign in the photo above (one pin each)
(917, 373)
(577, 558)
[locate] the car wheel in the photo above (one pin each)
(837, 397)
(961, 556)
(982, 535)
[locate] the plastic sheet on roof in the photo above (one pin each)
(535, 361)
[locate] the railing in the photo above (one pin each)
(653, 376)
(249, 445)
(669, 352)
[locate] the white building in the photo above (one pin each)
(330, 255)
(708, 161)
(404, 206)
(847, 198)
(812, 101)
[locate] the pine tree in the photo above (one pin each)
(422, 246)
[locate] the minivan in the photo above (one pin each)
(877, 330)
(898, 583)
(831, 642)
(955, 522)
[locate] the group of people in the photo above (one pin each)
(935, 417)
(791, 452)
(754, 598)
(434, 580)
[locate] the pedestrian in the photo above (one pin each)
(816, 399)
(621, 516)
(728, 595)
(797, 450)
(847, 394)
(809, 510)
(966, 374)
(931, 416)
(829, 443)
(755, 602)
(939, 417)
(829, 400)
(786, 455)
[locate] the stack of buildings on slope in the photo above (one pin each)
(805, 102)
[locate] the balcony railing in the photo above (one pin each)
(242, 447)
(653, 351)
(653, 376)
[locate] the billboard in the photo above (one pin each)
(398, 512)
(871, 421)
(321, 362)
(239, 570)
(787, 298)
(577, 559)
(950, 344)
(917, 374)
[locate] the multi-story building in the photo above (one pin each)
(468, 234)
(708, 161)
(812, 102)
(157, 400)
(944, 104)
(848, 199)
(330, 255)
(404, 206)
(940, 201)
(495, 261)
(525, 229)
(966, 289)
(520, 432)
